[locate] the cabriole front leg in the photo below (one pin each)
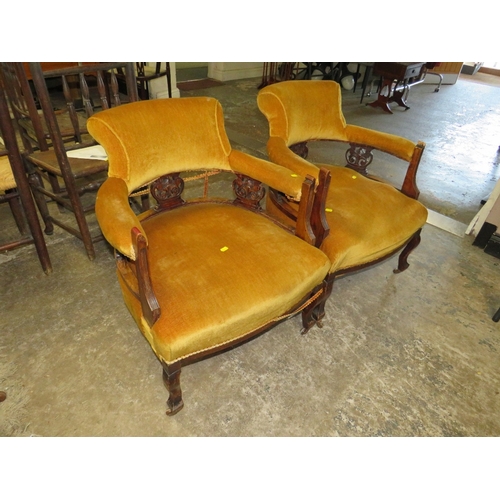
(171, 379)
(410, 246)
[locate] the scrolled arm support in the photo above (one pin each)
(149, 302)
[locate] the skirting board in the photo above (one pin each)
(442, 222)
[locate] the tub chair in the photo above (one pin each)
(201, 275)
(369, 220)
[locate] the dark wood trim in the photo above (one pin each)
(149, 303)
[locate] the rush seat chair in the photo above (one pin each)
(369, 220)
(202, 275)
(64, 170)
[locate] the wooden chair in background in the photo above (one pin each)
(15, 189)
(147, 73)
(71, 169)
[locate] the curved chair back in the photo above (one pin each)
(163, 130)
(303, 110)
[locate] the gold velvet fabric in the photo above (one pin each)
(367, 219)
(306, 110)
(218, 271)
(188, 134)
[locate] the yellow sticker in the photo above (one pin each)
(223, 249)
(354, 177)
(294, 175)
(328, 209)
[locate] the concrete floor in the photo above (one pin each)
(414, 354)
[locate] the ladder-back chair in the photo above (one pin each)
(73, 166)
(15, 189)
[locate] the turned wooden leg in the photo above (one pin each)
(403, 258)
(171, 378)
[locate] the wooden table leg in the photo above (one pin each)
(395, 93)
(398, 97)
(383, 100)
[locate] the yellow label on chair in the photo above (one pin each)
(224, 249)
(354, 177)
(294, 175)
(328, 209)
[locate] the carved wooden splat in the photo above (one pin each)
(249, 192)
(359, 157)
(167, 190)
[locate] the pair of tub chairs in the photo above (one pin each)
(204, 275)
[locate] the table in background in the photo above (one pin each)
(397, 78)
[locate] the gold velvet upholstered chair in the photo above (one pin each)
(201, 275)
(369, 220)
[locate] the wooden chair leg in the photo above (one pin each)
(496, 316)
(315, 312)
(56, 189)
(17, 212)
(41, 202)
(319, 310)
(171, 379)
(403, 258)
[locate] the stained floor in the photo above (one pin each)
(414, 354)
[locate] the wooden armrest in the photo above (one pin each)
(364, 140)
(149, 303)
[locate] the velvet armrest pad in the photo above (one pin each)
(115, 216)
(279, 152)
(277, 177)
(389, 143)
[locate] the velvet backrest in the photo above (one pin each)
(303, 110)
(147, 139)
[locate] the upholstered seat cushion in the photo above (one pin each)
(220, 272)
(367, 219)
(7, 180)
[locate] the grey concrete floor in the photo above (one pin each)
(414, 354)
